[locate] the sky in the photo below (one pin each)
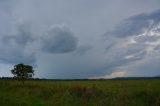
(74, 39)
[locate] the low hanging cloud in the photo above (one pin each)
(136, 24)
(112, 75)
(20, 45)
(59, 39)
(136, 37)
(13, 46)
(99, 61)
(137, 40)
(82, 49)
(21, 37)
(131, 46)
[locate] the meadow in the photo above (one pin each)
(80, 93)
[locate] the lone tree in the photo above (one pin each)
(22, 72)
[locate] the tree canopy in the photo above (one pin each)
(22, 71)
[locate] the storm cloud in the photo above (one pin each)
(81, 39)
(13, 46)
(136, 41)
(59, 39)
(136, 24)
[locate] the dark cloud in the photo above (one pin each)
(133, 41)
(22, 36)
(136, 24)
(157, 48)
(81, 50)
(59, 39)
(57, 50)
(13, 46)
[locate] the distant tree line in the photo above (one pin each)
(6, 78)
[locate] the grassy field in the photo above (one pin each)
(80, 93)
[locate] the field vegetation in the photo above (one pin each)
(80, 93)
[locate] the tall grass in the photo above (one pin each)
(80, 93)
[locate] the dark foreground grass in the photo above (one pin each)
(80, 93)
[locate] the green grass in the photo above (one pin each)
(80, 93)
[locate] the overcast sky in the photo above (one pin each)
(81, 38)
